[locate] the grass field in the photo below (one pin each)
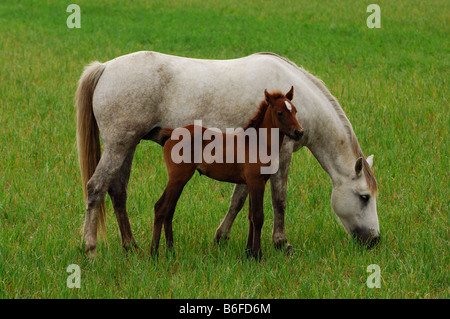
(391, 82)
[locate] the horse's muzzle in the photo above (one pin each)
(366, 237)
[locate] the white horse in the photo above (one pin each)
(131, 97)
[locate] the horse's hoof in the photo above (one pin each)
(91, 252)
(280, 242)
(289, 250)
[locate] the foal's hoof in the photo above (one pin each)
(131, 245)
(131, 249)
(170, 253)
(154, 254)
(220, 238)
(251, 254)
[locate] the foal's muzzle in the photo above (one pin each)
(298, 135)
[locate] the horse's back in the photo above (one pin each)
(145, 89)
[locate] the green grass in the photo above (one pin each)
(392, 83)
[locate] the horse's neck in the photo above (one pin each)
(331, 144)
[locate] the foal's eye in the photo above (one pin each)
(280, 114)
(364, 198)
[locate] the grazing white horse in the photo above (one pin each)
(131, 97)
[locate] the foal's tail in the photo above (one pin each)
(163, 135)
(88, 140)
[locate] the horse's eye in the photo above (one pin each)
(280, 114)
(364, 198)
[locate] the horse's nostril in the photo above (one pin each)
(366, 237)
(373, 242)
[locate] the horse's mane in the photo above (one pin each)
(370, 177)
(257, 119)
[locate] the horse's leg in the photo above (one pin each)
(256, 193)
(240, 193)
(278, 185)
(118, 193)
(165, 209)
(106, 170)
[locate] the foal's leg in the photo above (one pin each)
(256, 193)
(118, 193)
(238, 198)
(107, 169)
(177, 189)
(157, 223)
(249, 245)
(164, 208)
(278, 185)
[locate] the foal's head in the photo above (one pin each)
(283, 113)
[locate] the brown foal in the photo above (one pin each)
(276, 114)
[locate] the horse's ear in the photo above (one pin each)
(370, 160)
(290, 94)
(359, 166)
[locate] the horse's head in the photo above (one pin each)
(283, 113)
(354, 201)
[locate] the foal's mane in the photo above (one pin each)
(257, 119)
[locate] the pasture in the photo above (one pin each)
(391, 82)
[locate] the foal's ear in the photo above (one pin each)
(290, 94)
(268, 97)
